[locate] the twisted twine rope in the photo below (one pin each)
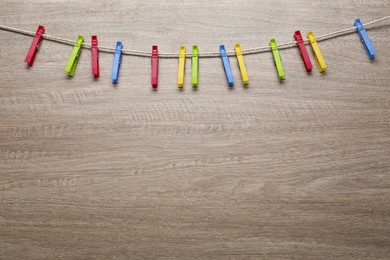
(201, 54)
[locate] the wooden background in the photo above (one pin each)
(298, 170)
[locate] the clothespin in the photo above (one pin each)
(321, 64)
(302, 48)
(35, 45)
(154, 66)
(277, 59)
(182, 66)
(241, 64)
(72, 63)
(117, 62)
(195, 66)
(364, 38)
(226, 66)
(95, 57)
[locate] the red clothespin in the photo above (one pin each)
(154, 66)
(95, 57)
(34, 46)
(302, 48)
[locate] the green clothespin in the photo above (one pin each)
(71, 66)
(195, 66)
(277, 59)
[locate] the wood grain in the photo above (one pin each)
(298, 170)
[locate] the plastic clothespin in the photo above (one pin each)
(195, 66)
(35, 45)
(95, 57)
(182, 66)
(226, 66)
(277, 59)
(72, 63)
(302, 49)
(154, 66)
(117, 62)
(241, 64)
(364, 38)
(321, 64)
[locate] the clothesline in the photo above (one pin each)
(201, 54)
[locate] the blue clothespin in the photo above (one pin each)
(226, 65)
(365, 40)
(117, 62)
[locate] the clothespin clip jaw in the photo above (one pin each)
(30, 58)
(277, 59)
(117, 62)
(226, 66)
(273, 45)
(319, 58)
(302, 48)
(95, 57)
(371, 52)
(72, 63)
(241, 64)
(182, 66)
(154, 66)
(195, 65)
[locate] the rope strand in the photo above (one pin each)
(201, 54)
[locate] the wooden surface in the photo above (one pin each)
(298, 170)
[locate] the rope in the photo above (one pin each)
(201, 54)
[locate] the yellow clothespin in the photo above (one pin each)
(321, 64)
(72, 63)
(182, 66)
(241, 64)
